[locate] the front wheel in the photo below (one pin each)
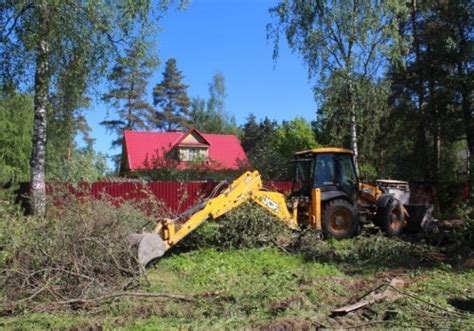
(391, 218)
(340, 219)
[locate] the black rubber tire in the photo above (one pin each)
(391, 218)
(340, 219)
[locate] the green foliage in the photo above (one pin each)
(86, 34)
(338, 36)
(129, 80)
(367, 172)
(83, 165)
(16, 119)
(251, 226)
(190, 174)
(429, 94)
(270, 147)
(247, 226)
(293, 136)
(171, 97)
(210, 116)
(167, 168)
(65, 110)
(254, 288)
(244, 266)
(464, 236)
(346, 42)
(373, 252)
(259, 286)
(68, 45)
(256, 140)
(371, 104)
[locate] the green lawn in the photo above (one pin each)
(265, 288)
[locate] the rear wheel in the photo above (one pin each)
(391, 218)
(340, 219)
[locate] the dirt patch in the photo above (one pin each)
(289, 324)
(293, 301)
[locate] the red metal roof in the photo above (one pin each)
(142, 147)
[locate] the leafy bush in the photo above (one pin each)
(251, 226)
(84, 165)
(245, 227)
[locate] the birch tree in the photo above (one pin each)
(347, 38)
(36, 37)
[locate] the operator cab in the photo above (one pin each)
(331, 170)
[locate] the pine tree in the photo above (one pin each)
(171, 97)
(430, 93)
(129, 79)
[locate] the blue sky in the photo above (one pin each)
(228, 36)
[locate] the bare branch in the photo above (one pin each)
(17, 17)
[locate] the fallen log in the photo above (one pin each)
(374, 296)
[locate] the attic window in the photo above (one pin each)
(192, 153)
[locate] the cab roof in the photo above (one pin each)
(325, 150)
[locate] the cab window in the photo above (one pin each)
(324, 173)
(347, 171)
(303, 174)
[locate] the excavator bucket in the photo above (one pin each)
(150, 246)
(420, 218)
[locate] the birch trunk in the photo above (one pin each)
(38, 152)
(354, 127)
(353, 121)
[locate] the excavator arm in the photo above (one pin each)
(248, 187)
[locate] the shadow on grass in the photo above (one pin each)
(462, 304)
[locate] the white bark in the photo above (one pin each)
(38, 152)
(354, 147)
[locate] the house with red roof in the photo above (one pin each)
(147, 150)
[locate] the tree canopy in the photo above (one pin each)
(16, 123)
(210, 116)
(170, 96)
(127, 93)
(43, 41)
(342, 40)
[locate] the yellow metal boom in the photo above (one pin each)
(245, 188)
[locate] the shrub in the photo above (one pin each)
(245, 227)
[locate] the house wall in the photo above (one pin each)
(192, 139)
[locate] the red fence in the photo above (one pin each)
(179, 196)
(176, 196)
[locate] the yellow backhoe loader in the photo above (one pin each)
(326, 196)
